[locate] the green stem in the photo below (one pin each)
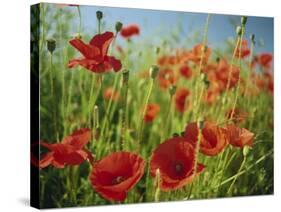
(236, 176)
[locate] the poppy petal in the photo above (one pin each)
(78, 139)
(115, 64)
(102, 42)
(86, 50)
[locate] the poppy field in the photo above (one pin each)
(132, 115)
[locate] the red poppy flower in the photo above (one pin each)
(214, 139)
(166, 77)
(265, 60)
(95, 56)
(239, 137)
(196, 53)
(245, 51)
(113, 176)
(186, 72)
(110, 93)
(237, 115)
(130, 30)
(69, 152)
(151, 112)
(175, 159)
(181, 99)
(227, 75)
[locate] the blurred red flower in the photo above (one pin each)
(110, 93)
(236, 115)
(175, 159)
(181, 99)
(227, 75)
(185, 71)
(239, 137)
(95, 56)
(245, 51)
(214, 138)
(114, 175)
(152, 110)
(130, 30)
(196, 54)
(265, 60)
(166, 77)
(69, 152)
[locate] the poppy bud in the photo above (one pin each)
(246, 150)
(157, 50)
(172, 90)
(218, 59)
(176, 135)
(125, 76)
(118, 26)
(252, 37)
(96, 117)
(243, 20)
(239, 30)
(206, 81)
(153, 71)
(99, 15)
(51, 45)
(200, 124)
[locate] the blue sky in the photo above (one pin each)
(155, 24)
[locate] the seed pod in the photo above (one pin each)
(51, 45)
(118, 26)
(243, 20)
(125, 75)
(239, 30)
(99, 15)
(153, 71)
(172, 90)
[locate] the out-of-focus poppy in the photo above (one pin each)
(114, 175)
(181, 96)
(175, 159)
(239, 137)
(152, 110)
(185, 71)
(70, 151)
(237, 115)
(95, 56)
(265, 60)
(227, 76)
(130, 30)
(166, 78)
(110, 93)
(214, 138)
(196, 54)
(245, 51)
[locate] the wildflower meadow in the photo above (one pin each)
(131, 113)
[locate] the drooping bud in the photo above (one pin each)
(153, 71)
(118, 26)
(252, 37)
(172, 90)
(239, 30)
(157, 50)
(51, 45)
(243, 20)
(125, 75)
(99, 15)
(246, 150)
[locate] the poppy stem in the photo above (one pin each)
(236, 176)
(199, 94)
(157, 186)
(151, 82)
(125, 85)
(240, 68)
(53, 94)
(80, 21)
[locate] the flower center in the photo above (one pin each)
(117, 180)
(178, 168)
